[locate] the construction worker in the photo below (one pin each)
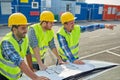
(68, 37)
(14, 48)
(41, 36)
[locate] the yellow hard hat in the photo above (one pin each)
(66, 17)
(47, 16)
(17, 19)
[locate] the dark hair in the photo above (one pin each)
(14, 26)
(43, 21)
(65, 22)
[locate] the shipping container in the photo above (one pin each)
(109, 12)
(5, 10)
(95, 12)
(118, 13)
(81, 11)
(30, 8)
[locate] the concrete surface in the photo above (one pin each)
(101, 44)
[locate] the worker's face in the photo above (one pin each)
(70, 26)
(21, 31)
(48, 25)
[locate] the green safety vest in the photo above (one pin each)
(7, 68)
(72, 41)
(43, 40)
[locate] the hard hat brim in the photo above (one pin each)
(29, 23)
(75, 18)
(51, 21)
(21, 24)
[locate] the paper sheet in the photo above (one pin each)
(62, 71)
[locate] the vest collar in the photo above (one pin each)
(67, 31)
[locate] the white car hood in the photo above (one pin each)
(66, 71)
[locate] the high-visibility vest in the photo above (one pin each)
(43, 40)
(7, 68)
(72, 41)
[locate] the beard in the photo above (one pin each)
(22, 35)
(48, 28)
(72, 27)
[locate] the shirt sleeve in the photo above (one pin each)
(9, 53)
(92, 27)
(52, 44)
(32, 38)
(64, 45)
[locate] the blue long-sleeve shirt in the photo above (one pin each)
(10, 54)
(64, 45)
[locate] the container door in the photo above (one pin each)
(89, 15)
(5, 11)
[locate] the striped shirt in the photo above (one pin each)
(64, 45)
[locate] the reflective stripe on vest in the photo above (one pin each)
(75, 54)
(10, 65)
(42, 48)
(7, 68)
(33, 56)
(72, 41)
(73, 47)
(10, 75)
(7, 63)
(43, 39)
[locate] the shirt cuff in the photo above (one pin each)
(102, 26)
(73, 60)
(18, 62)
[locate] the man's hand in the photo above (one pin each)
(78, 62)
(34, 70)
(61, 62)
(110, 26)
(43, 67)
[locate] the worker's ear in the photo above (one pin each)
(44, 23)
(14, 28)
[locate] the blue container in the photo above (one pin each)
(3, 17)
(95, 12)
(32, 14)
(81, 14)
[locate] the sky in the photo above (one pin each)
(114, 2)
